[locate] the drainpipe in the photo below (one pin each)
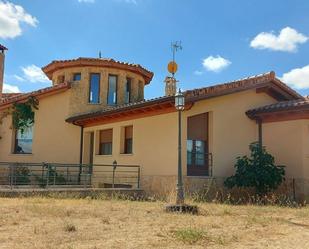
(81, 151)
(259, 122)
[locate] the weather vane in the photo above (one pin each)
(172, 66)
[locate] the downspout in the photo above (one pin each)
(260, 131)
(81, 152)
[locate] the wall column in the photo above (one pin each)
(120, 88)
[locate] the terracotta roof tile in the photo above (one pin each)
(104, 62)
(282, 106)
(39, 93)
(9, 95)
(119, 108)
(240, 85)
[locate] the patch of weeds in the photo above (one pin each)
(70, 228)
(189, 235)
(227, 212)
(220, 240)
(106, 220)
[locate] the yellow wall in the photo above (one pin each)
(288, 141)
(154, 144)
(155, 138)
(54, 140)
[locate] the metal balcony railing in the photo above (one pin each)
(45, 175)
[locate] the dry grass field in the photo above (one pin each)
(86, 223)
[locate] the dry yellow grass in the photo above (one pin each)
(82, 223)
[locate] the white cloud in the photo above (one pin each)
(215, 64)
(198, 72)
(18, 78)
(297, 78)
(10, 88)
(34, 74)
(11, 16)
(287, 40)
(86, 1)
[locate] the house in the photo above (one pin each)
(95, 113)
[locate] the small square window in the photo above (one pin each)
(77, 76)
(60, 79)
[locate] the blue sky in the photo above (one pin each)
(222, 40)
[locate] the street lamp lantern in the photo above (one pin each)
(179, 101)
(180, 106)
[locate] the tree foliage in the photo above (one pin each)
(23, 114)
(257, 171)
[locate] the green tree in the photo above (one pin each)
(257, 171)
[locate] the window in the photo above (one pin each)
(94, 90)
(197, 145)
(128, 91)
(60, 79)
(23, 141)
(77, 76)
(106, 142)
(112, 90)
(128, 139)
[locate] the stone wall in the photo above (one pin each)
(80, 89)
(210, 188)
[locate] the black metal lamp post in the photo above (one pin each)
(180, 106)
(180, 205)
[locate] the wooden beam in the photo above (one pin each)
(93, 122)
(284, 116)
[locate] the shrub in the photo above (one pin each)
(22, 175)
(257, 171)
(70, 228)
(51, 176)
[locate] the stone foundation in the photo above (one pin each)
(164, 187)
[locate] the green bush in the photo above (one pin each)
(51, 176)
(22, 175)
(257, 171)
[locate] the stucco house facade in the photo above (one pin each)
(95, 113)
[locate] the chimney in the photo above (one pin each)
(2, 56)
(170, 86)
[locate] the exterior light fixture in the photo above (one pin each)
(179, 101)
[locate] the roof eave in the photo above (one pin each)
(38, 94)
(57, 65)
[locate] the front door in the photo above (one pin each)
(197, 145)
